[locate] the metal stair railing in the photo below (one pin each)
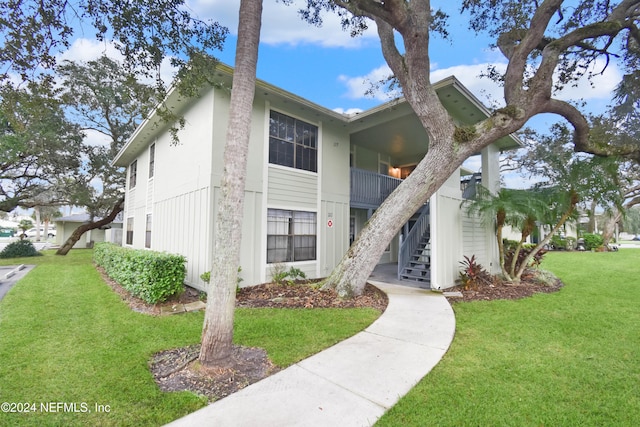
(411, 242)
(370, 188)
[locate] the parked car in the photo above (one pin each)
(32, 233)
(7, 232)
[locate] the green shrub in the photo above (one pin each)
(279, 273)
(592, 241)
(19, 248)
(151, 276)
(281, 276)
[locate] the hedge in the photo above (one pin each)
(151, 276)
(18, 249)
(592, 241)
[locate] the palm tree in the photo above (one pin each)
(506, 207)
(217, 332)
(532, 206)
(561, 206)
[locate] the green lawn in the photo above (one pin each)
(571, 358)
(66, 337)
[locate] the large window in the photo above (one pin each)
(133, 173)
(291, 236)
(129, 239)
(293, 143)
(147, 236)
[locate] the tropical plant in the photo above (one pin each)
(507, 207)
(24, 225)
(473, 274)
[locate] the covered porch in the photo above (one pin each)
(386, 145)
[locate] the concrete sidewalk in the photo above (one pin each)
(352, 383)
(10, 274)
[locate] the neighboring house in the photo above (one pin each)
(66, 225)
(314, 178)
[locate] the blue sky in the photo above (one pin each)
(327, 66)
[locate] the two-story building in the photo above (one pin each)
(314, 177)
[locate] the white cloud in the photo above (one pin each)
(348, 111)
(94, 138)
(486, 90)
(85, 50)
(600, 86)
(281, 24)
(518, 181)
(483, 88)
(473, 163)
(367, 86)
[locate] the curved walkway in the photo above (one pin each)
(352, 383)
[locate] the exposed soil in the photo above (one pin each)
(178, 369)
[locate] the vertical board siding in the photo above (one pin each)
(449, 243)
(181, 225)
(334, 241)
(474, 238)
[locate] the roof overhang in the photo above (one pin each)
(391, 128)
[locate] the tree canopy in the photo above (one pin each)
(39, 146)
(548, 45)
(102, 96)
(145, 32)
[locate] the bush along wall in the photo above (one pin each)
(151, 276)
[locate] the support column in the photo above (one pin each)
(490, 157)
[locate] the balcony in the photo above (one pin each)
(369, 189)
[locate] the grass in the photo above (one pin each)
(565, 359)
(66, 337)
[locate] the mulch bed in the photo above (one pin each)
(305, 295)
(178, 369)
(532, 282)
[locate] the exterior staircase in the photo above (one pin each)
(414, 257)
(417, 268)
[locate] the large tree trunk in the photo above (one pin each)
(217, 333)
(449, 146)
(350, 276)
(37, 213)
(78, 232)
(591, 225)
(609, 226)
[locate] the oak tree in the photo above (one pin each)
(548, 44)
(102, 97)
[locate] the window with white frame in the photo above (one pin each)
(129, 238)
(291, 235)
(292, 142)
(147, 236)
(133, 173)
(152, 160)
